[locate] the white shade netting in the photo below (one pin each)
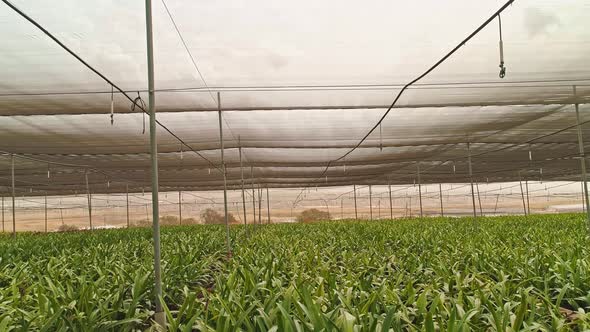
(300, 84)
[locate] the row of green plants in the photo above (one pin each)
(433, 274)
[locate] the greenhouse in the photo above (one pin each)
(294, 166)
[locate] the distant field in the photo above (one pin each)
(432, 274)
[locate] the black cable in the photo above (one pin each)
(62, 45)
(428, 71)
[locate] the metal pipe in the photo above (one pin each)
(370, 204)
(390, 202)
(496, 205)
(267, 206)
(224, 177)
(253, 195)
(522, 194)
(180, 207)
(528, 203)
(159, 315)
(259, 205)
(89, 200)
(442, 211)
(471, 181)
(45, 212)
(13, 205)
(582, 161)
(242, 178)
(127, 200)
(356, 215)
(420, 190)
(478, 198)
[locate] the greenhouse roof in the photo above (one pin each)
(300, 84)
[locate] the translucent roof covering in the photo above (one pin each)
(300, 84)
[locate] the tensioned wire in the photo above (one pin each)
(438, 63)
(102, 76)
(196, 67)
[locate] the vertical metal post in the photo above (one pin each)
(471, 181)
(3, 229)
(45, 212)
(370, 204)
(583, 198)
(259, 205)
(159, 315)
(582, 160)
(180, 207)
(496, 205)
(127, 200)
(390, 202)
(13, 205)
(253, 195)
(267, 206)
(528, 202)
(442, 211)
(478, 198)
(356, 215)
(89, 200)
(522, 194)
(224, 177)
(242, 176)
(420, 190)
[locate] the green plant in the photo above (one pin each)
(448, 274)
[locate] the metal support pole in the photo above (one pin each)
(471, 181)
(13, 205)
(528, 202)
(224, 177)
(496, 205)
(159, 315)
(522, 195)
(370, 204)
(253, 195)
(267, 207)
(420, 191)
(180, 207)
(356, 215)
(478, 198)
(45, 212)
(259, 205)
(442, 211)
(582, 161)
(242, 177)
(390, 202)
(89, 200)
(127, 200)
